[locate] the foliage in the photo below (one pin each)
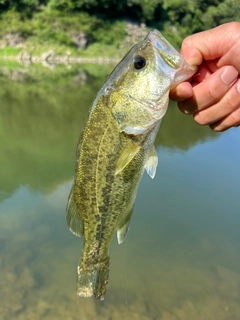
(142, 9)
(53, 23)
(53, 29)
(226, 11)
(9, 51)
(181, 18)
(174, 11)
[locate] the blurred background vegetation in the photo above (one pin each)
(42, 112)
(100, 27)
(43, 107)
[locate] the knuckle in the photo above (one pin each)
(231, 102)
(200, 119)
(212, 92)
(235, 26)
(234, 117)
(188, 42)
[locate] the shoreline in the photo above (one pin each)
(55, 59)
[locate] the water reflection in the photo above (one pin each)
(40, 123)
(181, 257)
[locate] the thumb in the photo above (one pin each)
(191, 54)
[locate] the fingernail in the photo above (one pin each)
(229, 75)
(181, 106)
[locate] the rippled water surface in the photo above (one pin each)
(181, 258)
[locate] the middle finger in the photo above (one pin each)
(212, 89)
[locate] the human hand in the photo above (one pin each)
(213, 96)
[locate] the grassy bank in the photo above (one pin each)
(70, 36)
(89, 28)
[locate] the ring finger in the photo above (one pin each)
(231, 120)
(221, 109)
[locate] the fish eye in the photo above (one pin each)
(139, 62)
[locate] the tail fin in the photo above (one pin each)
(93, 282)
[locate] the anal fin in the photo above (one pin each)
(74, 220)
(124, 227)
(152, 162)
(121, 233)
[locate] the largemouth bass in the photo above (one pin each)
(115, 147)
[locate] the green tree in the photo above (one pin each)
(27, 7)
(181, 18)
(224, 12)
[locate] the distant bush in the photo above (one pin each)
(187, 13)
(56, 21)
(53, 26)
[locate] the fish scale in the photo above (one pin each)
(115, 147)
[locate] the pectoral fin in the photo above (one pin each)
(74, 221)
(152, 162)
(127, 155)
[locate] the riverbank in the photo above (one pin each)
(50, 58)
(76, 31)
(53, 37)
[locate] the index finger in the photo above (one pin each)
(211, 44)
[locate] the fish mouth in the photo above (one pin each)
(168, 60)
(158, 112)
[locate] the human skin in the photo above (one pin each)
(213, 94)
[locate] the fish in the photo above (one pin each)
(116, 145)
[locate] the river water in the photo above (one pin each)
(181, 258)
